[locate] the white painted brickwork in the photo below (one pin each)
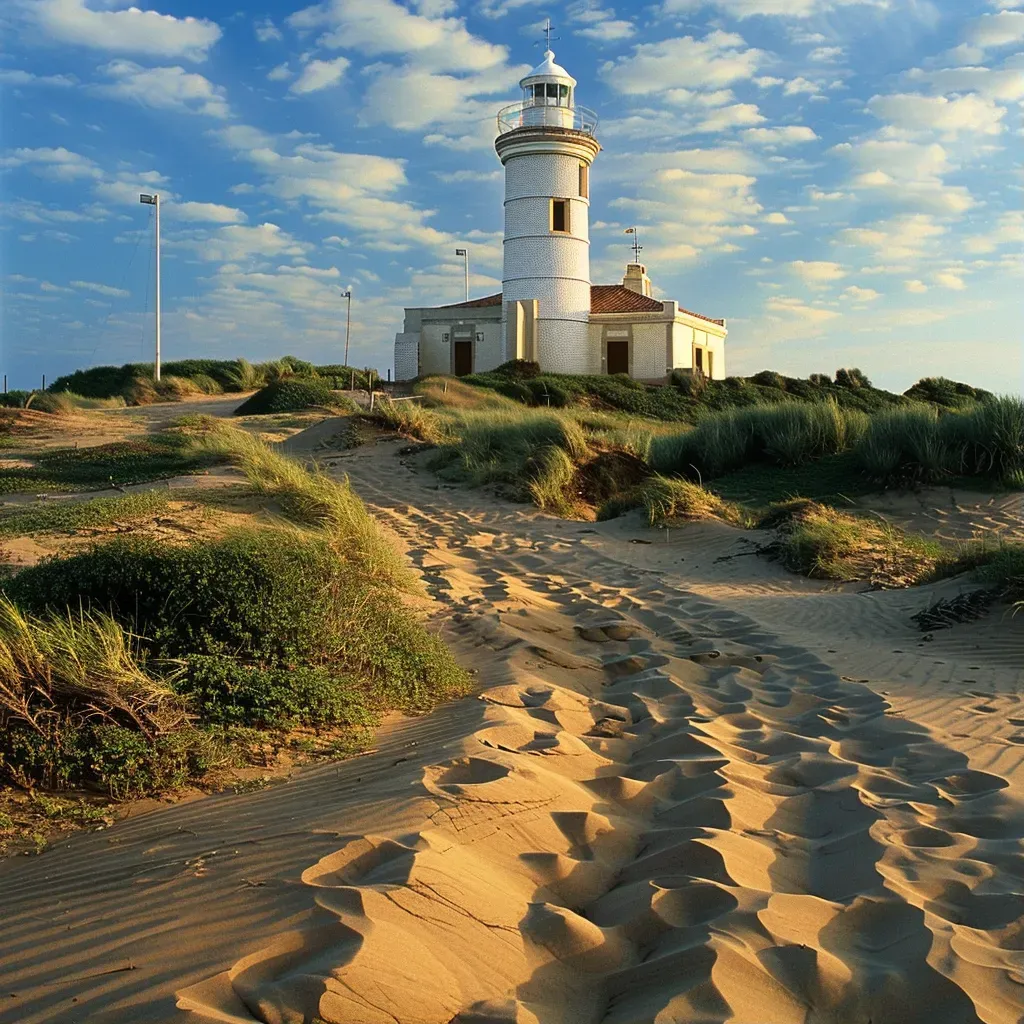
(562, 345)
(650, 345)
(407, 354)
(532, 216)
(547, 174)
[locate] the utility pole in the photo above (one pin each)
(464, 253)
(348, 321)
(154, 201)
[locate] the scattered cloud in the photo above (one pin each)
(171, 88)
(319, 74)
(903, 237)
(915, 286)
(267, 32)
(817, 273)
(213, 213)
(782, 135)
(101, 289)
(857, 294)
(130, 30)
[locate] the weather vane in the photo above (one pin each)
(548, 29)
(637, 247)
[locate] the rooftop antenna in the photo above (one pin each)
(637, 247)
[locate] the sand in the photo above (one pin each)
(691, 788)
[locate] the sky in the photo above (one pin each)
(837, 178)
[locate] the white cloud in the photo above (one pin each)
(319, 74)
(171, 88)
(454, 177)
(281, 73)
(733, 116)
(267, 32)
(857, 294)
(717, 60)
(994, 83)
(237, 243)
(125, 31)
(915, 286)
(58, 164)
(909, 173)
(905, 237)
(206, 212)
(47, 286)
(796, 86)
(781, 8)
(1008, 230)
(783, 135)
(600, 24)
(915, 113)
(101, 289)
(951, 279)
(817, 273)
(826, 54)
(992, 31)
(386, 27)
(795, 311)
(777, 218)
(15, 76)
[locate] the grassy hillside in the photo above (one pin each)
(687, 397)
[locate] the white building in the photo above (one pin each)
(548, 311)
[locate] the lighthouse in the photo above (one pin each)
(546, 144)
(548, 312)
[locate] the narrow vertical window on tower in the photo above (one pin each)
(560, 215)
(584, 181)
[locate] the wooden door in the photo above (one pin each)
(463, 358)
(618, 357)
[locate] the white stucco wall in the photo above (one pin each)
(490, 352)
(435, 354)
(682, 346)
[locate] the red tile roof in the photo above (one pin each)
(617, 298)
(604, 298)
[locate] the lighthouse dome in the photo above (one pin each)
(548, 71)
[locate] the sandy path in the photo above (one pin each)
(667, 804)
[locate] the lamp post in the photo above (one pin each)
(464, 253)
(154, 201)
(348, 320)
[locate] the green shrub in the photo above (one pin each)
(227, 691)
(521, 368)
(946, 393)
(243, 376)
(769, 379)
(905, 444)
(289, 394)
(852, 379)
(206, 384)
(667, 499)
(14, 399)
(988, 439)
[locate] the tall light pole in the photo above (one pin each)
(348, 321)
(465, 254)
(154, 201)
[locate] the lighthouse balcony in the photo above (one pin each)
(534, 113)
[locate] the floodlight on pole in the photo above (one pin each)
(348, 321)
(154, 201)
(464, 253)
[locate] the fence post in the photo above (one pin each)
(44, 381)
(371, 401)
(5, 383)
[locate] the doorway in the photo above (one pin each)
(618, 356)
(463, 358)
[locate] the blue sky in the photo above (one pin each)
(838, 178)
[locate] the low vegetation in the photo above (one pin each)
(106, 465)
(293, 394)
(133, 383)
(133, 666)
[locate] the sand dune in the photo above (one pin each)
(691, 789)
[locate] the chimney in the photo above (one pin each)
(636, 279)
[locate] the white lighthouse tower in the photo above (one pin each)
(546, 144)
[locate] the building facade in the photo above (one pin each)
(548, 311)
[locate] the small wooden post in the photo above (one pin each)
(372, 396)
(352, 384)
(44, 381)
(5, 383)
